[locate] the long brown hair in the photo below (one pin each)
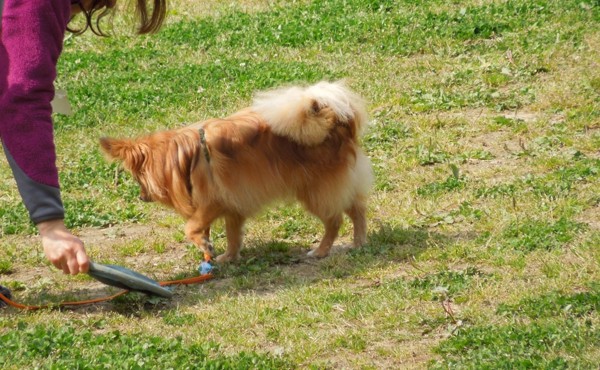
(148, 23)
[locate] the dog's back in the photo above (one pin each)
(307, 115)
(296, 142)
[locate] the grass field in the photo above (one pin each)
(484, 222)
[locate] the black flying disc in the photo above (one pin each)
(125, 278)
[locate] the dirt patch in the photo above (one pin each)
(590, 217)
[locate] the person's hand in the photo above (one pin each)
(62, 248)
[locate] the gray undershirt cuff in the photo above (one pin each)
(42, 201)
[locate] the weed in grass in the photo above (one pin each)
(549, 143)
(261, 259)
(353, 342)
(179, 236)
(427, 155)
(385, 135)
(497, 78)
(176, 318)
(517, 125)
(447, 282)
(132, 248)
(159, 247)
(479, 154)
(393, 243)
(14, 220)
(273, 313)
(497, 191)
(6, 266)
(250, 271)
(551, 269)
(383, 181)
(518, 263)
(14, 285)
(465, 212)
(135, 303)
(194, 252)
(452, 183)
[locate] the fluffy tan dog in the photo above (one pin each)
(296, 142)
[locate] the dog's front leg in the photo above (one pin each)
(197, 229)
(233, 229)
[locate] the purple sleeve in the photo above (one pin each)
(31, 36)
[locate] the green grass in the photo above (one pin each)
(549, 345)
(483, 222)
(568, 305)
(544, 342)
(67, 348)
(529, 235)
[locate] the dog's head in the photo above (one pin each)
(134, 157)
(161, 163)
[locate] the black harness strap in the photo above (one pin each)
(203, 142)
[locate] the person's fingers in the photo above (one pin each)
(55, 261)
(59, 263)
(72, 264)
(83, 261)
(65, 267)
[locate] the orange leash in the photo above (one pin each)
(62, 304)
(187, 281)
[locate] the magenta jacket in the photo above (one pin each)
(31, 35)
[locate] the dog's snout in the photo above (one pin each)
(144, 197)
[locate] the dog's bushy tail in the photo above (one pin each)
(308, 114)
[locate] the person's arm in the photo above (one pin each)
(31, 42)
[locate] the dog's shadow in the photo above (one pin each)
(267, 266)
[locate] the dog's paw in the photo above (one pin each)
(316, 253)
(225, 258)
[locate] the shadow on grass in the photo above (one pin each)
(267, 266)
(387, 244)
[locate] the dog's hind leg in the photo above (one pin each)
(233, 229)
(358, 214)
(332, 227)
(362, 183)
(197, 228)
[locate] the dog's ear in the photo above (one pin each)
(114, 148)
(106, 145)
(122, 150)
(131, 153)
